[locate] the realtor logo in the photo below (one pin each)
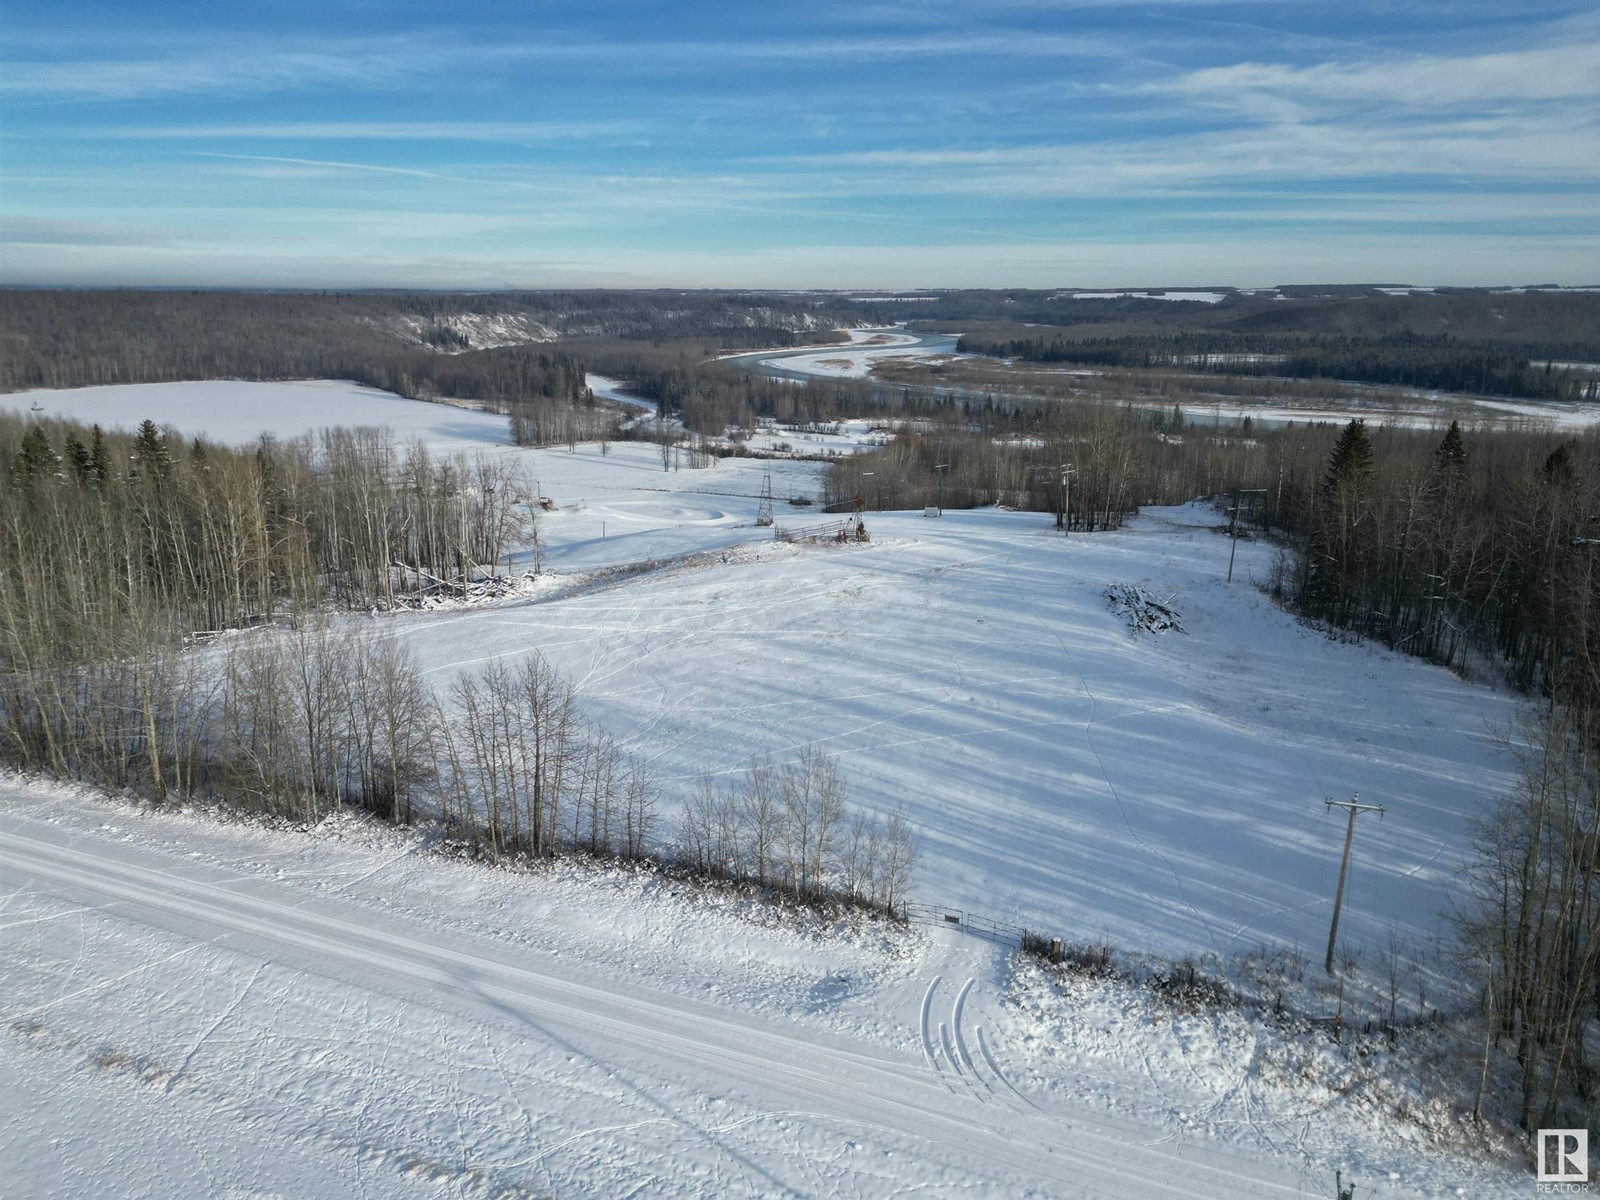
(1563, 1156)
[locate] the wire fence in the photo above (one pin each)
(853, 530)
(974, 923)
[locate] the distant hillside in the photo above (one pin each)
(1497, 343)
(72, 338)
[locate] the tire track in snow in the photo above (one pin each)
(927, 1003)
(952, 1043)
(858, 1086)
(983, 1049)
(957, 1011)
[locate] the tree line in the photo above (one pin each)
(788, 826)
(1529, 916)
(1452, 545)
(169, 625)
(1437, 362)
(1010, 463)
(1491, 546)
(75, 338)
(1455, 546)
(99, 521)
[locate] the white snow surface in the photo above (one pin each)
(612, 389)
(1062, 773)
(237, 412)
(195, 1008)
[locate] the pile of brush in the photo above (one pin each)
(1142, 610)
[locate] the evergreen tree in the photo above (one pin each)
(1558, 469)
(78, 456)
(35, 456)
(99, 456)
(1351, 460)
(150, 452)
(1338, 558)
(1450, 459)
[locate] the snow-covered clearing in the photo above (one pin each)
(202, 1009)
(622, 507)
(237, 412)
(1063, 774)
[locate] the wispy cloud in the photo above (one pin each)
(324, 164)
(223, 70)
(513, 132)
(1563, 72)
(235, 66)
(750, 195)
(40, 231)
(931, 136)
(1483, 147)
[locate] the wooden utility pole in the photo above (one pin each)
(1355, 806)
(1233, 524)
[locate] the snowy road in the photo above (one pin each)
(620, 1087)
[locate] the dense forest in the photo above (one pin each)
(62, 338)
(502, 347)
(1437, 362)
(1544, 317)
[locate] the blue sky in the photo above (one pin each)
(900, 144)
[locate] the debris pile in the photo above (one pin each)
(1143, 611)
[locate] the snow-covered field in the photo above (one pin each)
(1167, 792)
(236, 413)
(192, 1009)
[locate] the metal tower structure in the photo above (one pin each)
(764, 513)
